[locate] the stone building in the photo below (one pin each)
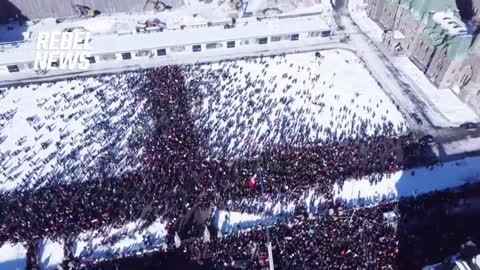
(467, 78)
(438, 36)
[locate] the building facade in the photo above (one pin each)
(438, 37)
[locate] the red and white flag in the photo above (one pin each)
(252, 181)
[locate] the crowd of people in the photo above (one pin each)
(408, 234)
(178, 174)
(242, 107)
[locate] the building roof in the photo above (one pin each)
(447, 21)
(104, 44)
(447, 32)
(422, 9)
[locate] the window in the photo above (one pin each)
(178, 49)
(13, 68)
(467, 75)
(161, 52)
(275, 38)
(197, 48)
(211, 46)
(262, 40)
(314, 34)
(295, 36)
(326, 33)
(439, 64)
(91, 59)
(126, 56)
(142, 53)
(245, 42)
(30, 65)
(108, 57)
(478, 93)
(230, 44)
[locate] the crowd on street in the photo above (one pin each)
(178, 174)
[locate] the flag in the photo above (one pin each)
(252, 181)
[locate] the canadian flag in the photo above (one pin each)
(252, 181)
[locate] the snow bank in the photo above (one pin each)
(231, 221)
(13, 257)
(128, 238)
(51, 254)
(410, 182)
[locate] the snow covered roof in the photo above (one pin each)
(452, 24)
(449, 33)
(112, 44)
(421, 9)
(398, 35)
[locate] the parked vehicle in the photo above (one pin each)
(417, 118)
(469, 125)
(428, 140)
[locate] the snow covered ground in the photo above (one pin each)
(13, 257)
(411, 182)
(275, 208)
(457, 148)
(244, 105)
(444, 100)
(61, 130)
(128, 238)
(51, 254)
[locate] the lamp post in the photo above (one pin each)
(269, 244)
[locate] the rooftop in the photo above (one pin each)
(449, 22)
(103, 44)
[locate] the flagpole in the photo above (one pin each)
(269, 244)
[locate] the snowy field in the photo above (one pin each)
(244, 105)
(67, 130)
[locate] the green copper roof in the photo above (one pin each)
(421, 9)
(456, 46)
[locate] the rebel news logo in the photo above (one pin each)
(62, 50)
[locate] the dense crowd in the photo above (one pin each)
(340, 239)
(177, 175)
(408, 234)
